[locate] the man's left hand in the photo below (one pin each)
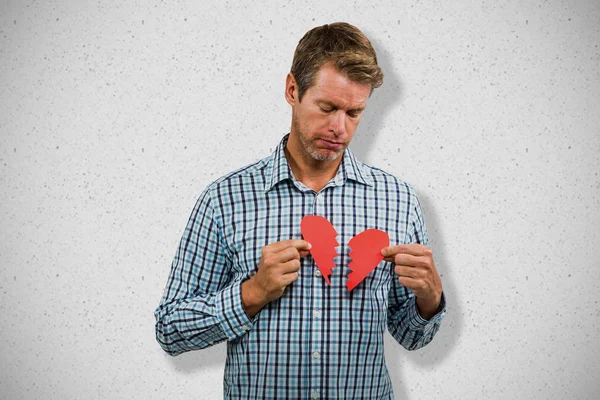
(416, 270)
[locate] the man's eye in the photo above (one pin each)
(353, 115)
(326, 110)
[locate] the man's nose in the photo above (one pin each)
(338, 122)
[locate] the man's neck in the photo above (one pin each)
(313, 173)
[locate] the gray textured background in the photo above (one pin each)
(114, 117)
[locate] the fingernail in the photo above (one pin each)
(383, 252)
(309, 246)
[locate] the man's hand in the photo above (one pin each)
(278, 267)
(416, 270)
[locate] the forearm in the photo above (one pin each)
(414, 321)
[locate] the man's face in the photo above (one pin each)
(329, 113)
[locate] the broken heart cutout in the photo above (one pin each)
(365, 248)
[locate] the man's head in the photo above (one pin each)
(341, 44)
(333, 74)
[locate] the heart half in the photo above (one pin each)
(365, 254)
(319, 232)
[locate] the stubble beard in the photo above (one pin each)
(312, 150)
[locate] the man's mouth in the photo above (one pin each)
(331, 143)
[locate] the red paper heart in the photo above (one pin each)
(319, 232)
(365, 254)
(365, 248)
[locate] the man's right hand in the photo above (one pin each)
(278, 267)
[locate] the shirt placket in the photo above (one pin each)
(316, 355)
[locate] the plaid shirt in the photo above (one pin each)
(316, 341)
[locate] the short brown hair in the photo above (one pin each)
(342, 44)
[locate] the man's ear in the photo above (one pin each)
(291, 90)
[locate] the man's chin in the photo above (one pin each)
(326, 155)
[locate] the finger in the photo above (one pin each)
(287, 279)
(410, 272)
(411, 283)
(295, 243)
(412, 261)
(290, 266)
(414, 248)
(304, 253)
(287, 254)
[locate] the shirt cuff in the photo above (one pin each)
(418, 322)
(231, 314)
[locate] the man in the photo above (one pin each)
(242, 272)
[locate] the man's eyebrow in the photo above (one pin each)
(333, 105)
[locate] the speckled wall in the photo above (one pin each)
(114, 117)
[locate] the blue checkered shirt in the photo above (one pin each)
(316, 341)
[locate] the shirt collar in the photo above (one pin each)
(278, 169)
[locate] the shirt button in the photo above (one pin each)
(316, 354)
(315, 395)
(317, 313)
(318, 273)
(245, 327)
(211, 342)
